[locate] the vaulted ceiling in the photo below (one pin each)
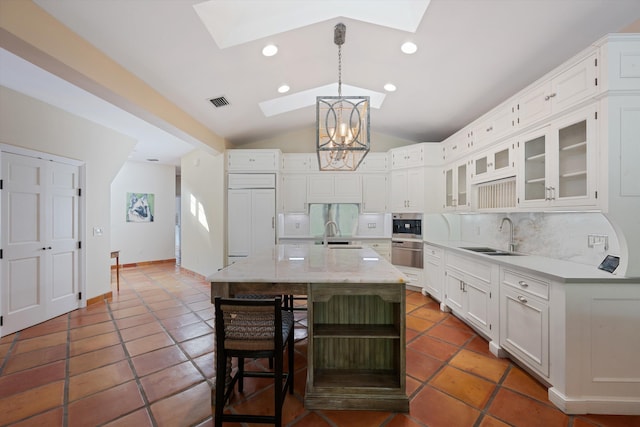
(471, 55)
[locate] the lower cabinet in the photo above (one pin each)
(469, 292)
(382, 247)
(524, 319)
(414, 275)
(433, 272)
(356, 355)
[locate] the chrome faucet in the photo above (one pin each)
(326, 227)
(512, 243)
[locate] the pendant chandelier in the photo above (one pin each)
(342, 123)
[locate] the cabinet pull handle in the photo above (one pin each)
(490, 128)
(523, 283)
(551, 95)
(552, 193)
(522, 299)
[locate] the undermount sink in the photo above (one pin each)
(344, 247)
(490, 251)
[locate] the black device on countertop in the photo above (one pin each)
(610, 263)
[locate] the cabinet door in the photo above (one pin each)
(534, 105)
(524, 328)
(374, 193)
(415, 156)
(498, 124)
(462, 186)
(433, 273)
(374, 162)
(415, 189)
(294, 193)
(263, 219)
(449, 197)
(477, 304)
(575, 84)
(574, 179)
(298, 162)
(239, 222)
(320, 188)
(533, 189)
(453, 294)
(399, 191)
(250, 160)
(347, 188)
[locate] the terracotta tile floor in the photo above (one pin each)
(145, 358)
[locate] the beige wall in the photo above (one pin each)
(304, 140)
(139, 242)
(34, 125)
(202, 211)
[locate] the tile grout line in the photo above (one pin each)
(145, 400)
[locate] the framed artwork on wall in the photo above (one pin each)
(140, 207)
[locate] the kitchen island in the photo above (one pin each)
(356, 314)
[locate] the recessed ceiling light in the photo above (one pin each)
(409, 48)
(270, 50)
(390, 87)
(284, 89)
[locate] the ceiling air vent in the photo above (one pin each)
(220, 101)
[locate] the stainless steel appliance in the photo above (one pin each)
(407, 253)
(407, 247)
(407, 226)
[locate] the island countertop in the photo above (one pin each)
(301, 263)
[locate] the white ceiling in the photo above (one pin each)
(472, 54)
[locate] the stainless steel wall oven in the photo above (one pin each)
(407, 246)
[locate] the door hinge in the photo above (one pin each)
(79, 245)
(1, 183)
(489, 326)
(596, 81)
(1, 254)
(79, 192)
(1, 320)
(79, 295)
(596, 198)
(489, 295)
(595, 62)
(596, 115)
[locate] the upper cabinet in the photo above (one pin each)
(299, 162)
(558, 166)
(253, 160)
(457, 183)
(494, 163)
(339, 187)
(293, 193)
(551, 96)
(374, 162)
(407, 190)
(496, 125)
(374, 193)
(407, 157)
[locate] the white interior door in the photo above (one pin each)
(39, 266)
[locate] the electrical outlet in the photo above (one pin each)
(297, 225)
(371, 225)
(97, 231)
(594, 240)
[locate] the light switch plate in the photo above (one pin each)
(97, 231)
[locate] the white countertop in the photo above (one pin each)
(565, 271)
(335, 238)
(308, 263)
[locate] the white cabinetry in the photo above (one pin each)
(407, 157)
(524, 319)
(433, 271)
(496, 125)
(457, 182)
(250, 220)
(293, 193)
(253, 160)
(342, 187)
(554, 95)
(414, 276)
(374, 193)
(469, 291)
(557, 166)
(374, 162)
(495, 163)
(407, 190)
(299, 162)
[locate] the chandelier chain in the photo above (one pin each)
(340, 70)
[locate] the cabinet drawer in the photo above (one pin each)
(432, 251)
(526, 284)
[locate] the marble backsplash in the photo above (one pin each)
(555, 235)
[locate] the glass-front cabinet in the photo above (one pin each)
(457, 187)
(558, 163)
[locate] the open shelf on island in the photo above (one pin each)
(360, 378)
(334, 330)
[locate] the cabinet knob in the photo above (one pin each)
(523, 283)
(522, 299)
